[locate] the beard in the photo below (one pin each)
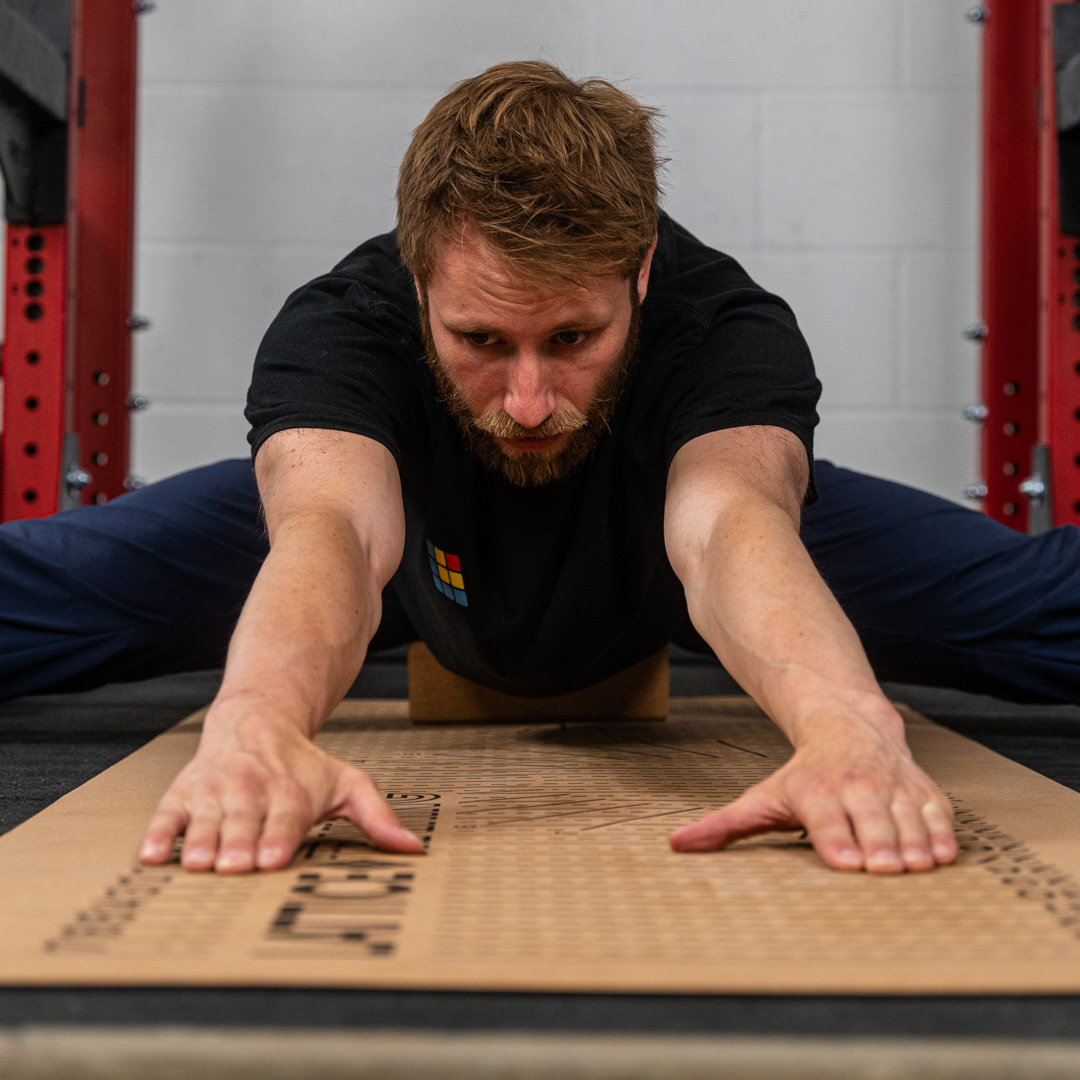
(534, 468)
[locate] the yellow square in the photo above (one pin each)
(444, 574)
(440, 557)
(457, 580)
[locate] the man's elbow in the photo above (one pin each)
(731, 520)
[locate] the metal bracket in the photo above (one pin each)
(31, 66)
(1036, 488)
(33, 117)
(72, 477)
(16, 153)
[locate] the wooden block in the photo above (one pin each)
(438, 696)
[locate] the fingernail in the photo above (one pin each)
(689, 844)
(943, 851)
(885, 862)
(405, 838)
(849, 858)
(150, 848)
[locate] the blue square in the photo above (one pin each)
(431, 549)
(434, 567)
(438, 582)
(447, 591)
(461, 598)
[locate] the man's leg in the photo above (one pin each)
(149, 584)
(945, 596)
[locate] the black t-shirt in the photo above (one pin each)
(537, 591)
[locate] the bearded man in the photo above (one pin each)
(544, 429)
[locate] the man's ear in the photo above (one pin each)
(643, 270)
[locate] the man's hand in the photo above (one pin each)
(247, 799)
(861, 798)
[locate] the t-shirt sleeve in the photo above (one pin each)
(735, 356)
(338, 356)
(751, 367)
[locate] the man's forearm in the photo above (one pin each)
(304, 630)
(759, 602)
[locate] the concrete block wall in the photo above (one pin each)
(831, 145)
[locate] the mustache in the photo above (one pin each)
(503, 426)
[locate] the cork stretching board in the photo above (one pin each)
(548, 870)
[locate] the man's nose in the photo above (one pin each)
(529, 400)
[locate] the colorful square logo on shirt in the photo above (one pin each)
(446, 573)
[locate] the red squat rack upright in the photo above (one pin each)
(1030, 371)
(67, 98)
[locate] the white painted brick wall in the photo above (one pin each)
(829, 144)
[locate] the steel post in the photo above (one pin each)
(1010, 251)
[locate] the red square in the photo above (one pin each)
(452, 563)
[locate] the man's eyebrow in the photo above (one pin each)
(463, 326)
(592, 321)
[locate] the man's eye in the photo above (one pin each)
(571, 337)
(479, 338)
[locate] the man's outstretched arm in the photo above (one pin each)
(754, 595)
(257, 782)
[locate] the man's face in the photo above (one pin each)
(531, 374)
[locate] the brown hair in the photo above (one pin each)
(558, 176)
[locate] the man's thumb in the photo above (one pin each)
(753, 812)
(361, 803)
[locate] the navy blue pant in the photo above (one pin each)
(153, 583)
